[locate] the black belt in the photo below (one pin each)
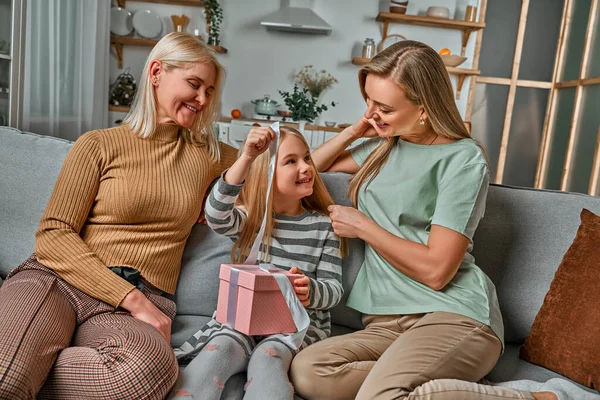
(131, 275)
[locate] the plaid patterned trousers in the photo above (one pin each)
(56, 342)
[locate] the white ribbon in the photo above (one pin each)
(253, 256)
(299, 314)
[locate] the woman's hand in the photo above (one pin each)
(363, 128)
(347, 221)
(141, 308)
(301, 286)
(257, 142)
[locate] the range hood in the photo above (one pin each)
(296, 18)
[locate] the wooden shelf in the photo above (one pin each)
(118, 41)
(193, 3)
(133, 41)
(360, 60)
(462, 73)
(219, 49)
(430, 21)
(465, 26)
(451, 70)
(118, 108)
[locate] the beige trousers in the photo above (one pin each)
(424, 356)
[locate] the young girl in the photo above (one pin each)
(299, 238)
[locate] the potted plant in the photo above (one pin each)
(214, 17)
(303, 102)
(302, 106)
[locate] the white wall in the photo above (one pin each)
(261, 61)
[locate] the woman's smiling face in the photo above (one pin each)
(388, 106)
(182, 93)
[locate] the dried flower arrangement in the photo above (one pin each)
(315, 82)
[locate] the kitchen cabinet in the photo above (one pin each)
(234, 132)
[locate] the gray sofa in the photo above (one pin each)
(519, 244)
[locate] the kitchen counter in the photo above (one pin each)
(308, 127)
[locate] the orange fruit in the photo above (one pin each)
(235, 113)
(445, 52)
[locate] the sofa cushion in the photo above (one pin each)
(565, 336)
(519, 245)
(30, 166)
(198, 285)
(184, 326)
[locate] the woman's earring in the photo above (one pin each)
(422, 122)
(155, 80)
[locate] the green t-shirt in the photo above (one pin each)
(421, 185)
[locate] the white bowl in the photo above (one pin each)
(330, 124)
(452, 60)
(438, 12)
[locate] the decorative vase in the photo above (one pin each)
(301, 126)
(180, 22)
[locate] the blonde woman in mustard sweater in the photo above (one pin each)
(84, 317)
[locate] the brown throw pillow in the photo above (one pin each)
(565, 336)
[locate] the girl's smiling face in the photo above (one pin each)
(295, 172)
(182, 93)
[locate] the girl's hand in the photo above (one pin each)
(301, 286)
(363, 128)
(257, 142)
(347, 221)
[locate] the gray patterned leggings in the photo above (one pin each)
(222, 357)
(58, 343)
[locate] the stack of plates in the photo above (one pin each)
(121, 21)
(146, 23)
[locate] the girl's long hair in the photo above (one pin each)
(252, 198)
(178, 50)
(420, 72)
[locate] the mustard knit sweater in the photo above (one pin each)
(121, 200)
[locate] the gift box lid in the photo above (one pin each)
(252, 277)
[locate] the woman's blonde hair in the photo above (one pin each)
(420, 72)
(178, 50)
(253, 197)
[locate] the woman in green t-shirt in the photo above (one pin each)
(432, 322)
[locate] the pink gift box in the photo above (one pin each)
(260, 308)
